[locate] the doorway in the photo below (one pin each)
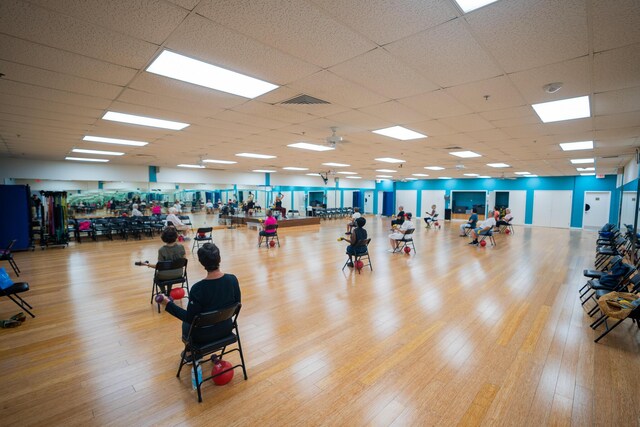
(368, 202)
(596, 209)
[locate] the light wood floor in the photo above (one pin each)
(451, 335)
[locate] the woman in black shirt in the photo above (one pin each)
(216, 291)
(357, 234)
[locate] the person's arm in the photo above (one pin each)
(352, 238)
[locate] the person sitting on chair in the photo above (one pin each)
(485, 227)
(135, 211)
(506, 220)
(269, 220)
(209, 207)
(171, 251)
(216, 291)
(156, 209)
(354, 217)
(279, 207)
(357, 235)
(399, 232)
(399, 218)
(471, 223)
(250, 205)
(175, 221)
(430, 216)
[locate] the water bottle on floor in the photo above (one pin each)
(193, 377)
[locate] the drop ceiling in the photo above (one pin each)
(465, 80)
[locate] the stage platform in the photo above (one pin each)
(254, 221)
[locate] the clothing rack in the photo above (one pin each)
(55, 219)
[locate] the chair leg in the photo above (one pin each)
(608, 330)
(244, 369)
(13, 264)
(182, 361)
(22, 304)
(197, 377)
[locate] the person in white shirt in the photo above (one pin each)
(399, 232)
(485, 228)
(506, 220)
(209, 206)
(177, 206)
(135, 211)
(352, 223)
(175, 221)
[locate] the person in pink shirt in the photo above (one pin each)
(156, 209)
(269, 220)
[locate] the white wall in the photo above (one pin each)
(433, 197)
(552, 208)
(348, 198)
(409, 200)
(518, 205)
(630, 171)
(379, 210)
(628, 207)
(333, 200)
(204, 176)
(298, 181)
(70, 171)
(55, 185)
(356, 183)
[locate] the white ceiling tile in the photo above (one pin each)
(150, 20)
(622, 120)
(293, 26)
(436, 104)
(37, 92)
(30, 22)
(394, 112)
(236, 51)
(616, 69)
(40, 104)
(617, 101)
(247, 119)
(40, 56)
(431, 128)
(380, 72)
(447, 55)
(187, 4)
(486, 95)
(516, 121)
(508, 113)
(526, 131)
(275, 112)
(574, 75)
(317, 110)
(384, 21)
(192, 107)
(559, 29)
(360, 120)
(332, 88)
(467, 123)
(615, 23)
(488, 135)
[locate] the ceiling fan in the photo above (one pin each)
(335, 139)
(505, 177)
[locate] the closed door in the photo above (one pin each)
(368, 202)
(430, 198)
(596, 209)
(552, 208)
(518, 205)
(407, 199)
(628, 207)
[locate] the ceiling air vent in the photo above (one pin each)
(609, 157)
(453, 148)
(303, 99)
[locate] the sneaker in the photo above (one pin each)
(475, 242)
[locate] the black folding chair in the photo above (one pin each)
(161, 285)
(12, 293)
(265, 236)
(6, 255)
(487, 234)
(360, 256)
(407, 240)
(195, 350)
(203, 235)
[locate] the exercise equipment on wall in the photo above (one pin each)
(55, 231)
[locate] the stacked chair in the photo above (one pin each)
(123, 227)
(612, 291)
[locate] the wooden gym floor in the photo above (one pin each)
(452, 335)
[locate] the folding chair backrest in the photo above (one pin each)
(172, 265)
(363, 242)
(204, 230)
(271, 227)
(211, 318)
(9, 246)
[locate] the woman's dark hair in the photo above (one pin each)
(169, 235)
(360, 222)
(474, 210)
(209, 256)
(408, 215)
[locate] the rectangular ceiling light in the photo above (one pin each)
(337, 165)
(99, 152)
(293, 168)
(471, 174)
(565, 109)
(313, 174)
(114, 141)
(384, 176)
(420, 174)
(434, 168)
(469, 5)
(143, 121)
(444, 177)
(582, 161)
(399, 132)
(183, 165)
(464, 154)
(531, 176)
(389, 160)
(84, 159)
(222, 162)
(484, 176)
(411, 179)
(348, 173)
(263, 170)
(386, 170)
(180, 67)
(312, 147)
(587, 174)
(582, 145)
(586, 169)
(256, 156)
(522, 173)
(354, 177)
(498, 165)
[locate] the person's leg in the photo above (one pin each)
(462, 227)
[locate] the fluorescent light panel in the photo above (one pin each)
(386, 170)
(444, 177)
(471, 174)
(99, 152)
(411, 179)
(498, 165)
(114, 141)
(587, 174)
(384, 176)
(464, 154)
(222, 162)
(184, 165)
(434, 168)
(531, 176)
(585, 169)
(85, 159)
(143, 121)
(399, 132)
(293, 168)
(582, 161)
(470, 5)
(484, 176)
(313, 174)
(180, 67)
(312, 147)
(581, 145)
(420, 174)
(348, 173)
(564, 109)
(263, 170)
(522, 173)
(354, 177)
(256, 156)
(337, 165)
(389, 160)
